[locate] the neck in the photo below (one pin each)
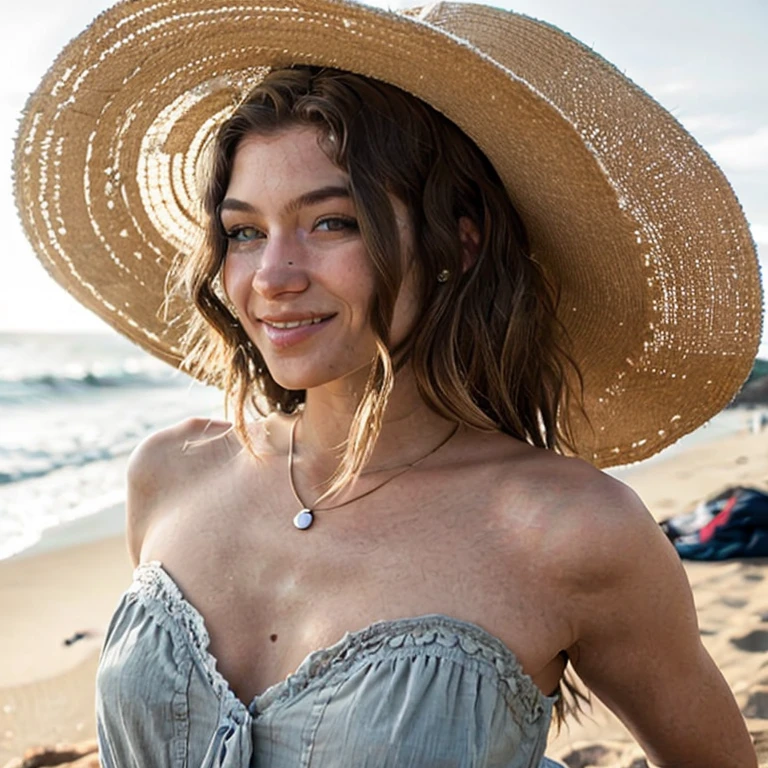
(409, 430)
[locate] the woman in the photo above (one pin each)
(394, 563)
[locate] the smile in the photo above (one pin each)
(294, 323)
(284, 334)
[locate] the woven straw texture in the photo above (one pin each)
(658, 273)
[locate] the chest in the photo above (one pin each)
(271, 594)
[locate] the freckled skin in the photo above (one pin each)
(309, 260)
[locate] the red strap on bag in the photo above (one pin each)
(708, 531)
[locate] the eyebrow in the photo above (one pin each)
(308, 198)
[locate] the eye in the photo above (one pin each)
(337, 224)
(243, 234)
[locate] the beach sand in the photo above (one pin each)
(61, 588)
(47, 688)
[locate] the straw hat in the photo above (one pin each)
(658, 274)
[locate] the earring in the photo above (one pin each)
(443, 275)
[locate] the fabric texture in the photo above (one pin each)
(424, 692)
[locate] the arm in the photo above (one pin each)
(639, 648)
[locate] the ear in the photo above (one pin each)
(469, 235)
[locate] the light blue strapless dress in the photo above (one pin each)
(425, 692)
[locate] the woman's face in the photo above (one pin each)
(296, 268)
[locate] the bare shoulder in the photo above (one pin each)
(593, 531)
(166, 461)
(604, 550)
(572, 500)
(600, 529)
(613, 554)
(171, 449)
(582, 498)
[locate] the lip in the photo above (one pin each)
(288, 337)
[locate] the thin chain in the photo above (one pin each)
(362, 495)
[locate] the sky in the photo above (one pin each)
(705, 61)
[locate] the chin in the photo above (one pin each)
(297, 379)
(354, 376)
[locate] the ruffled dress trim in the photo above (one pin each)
(441, 634)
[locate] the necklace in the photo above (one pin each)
(306, 516)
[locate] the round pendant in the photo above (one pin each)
(304, 519)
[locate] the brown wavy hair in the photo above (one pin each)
(486, 347)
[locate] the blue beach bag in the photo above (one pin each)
(730, 525)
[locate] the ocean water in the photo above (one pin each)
(72, 408)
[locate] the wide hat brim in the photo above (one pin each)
(658, 276)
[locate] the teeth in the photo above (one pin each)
(296, 323)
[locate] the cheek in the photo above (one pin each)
(366, 293)
(406, 309)
(353, 282)
(232, 278)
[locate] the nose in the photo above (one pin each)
(280, 268)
